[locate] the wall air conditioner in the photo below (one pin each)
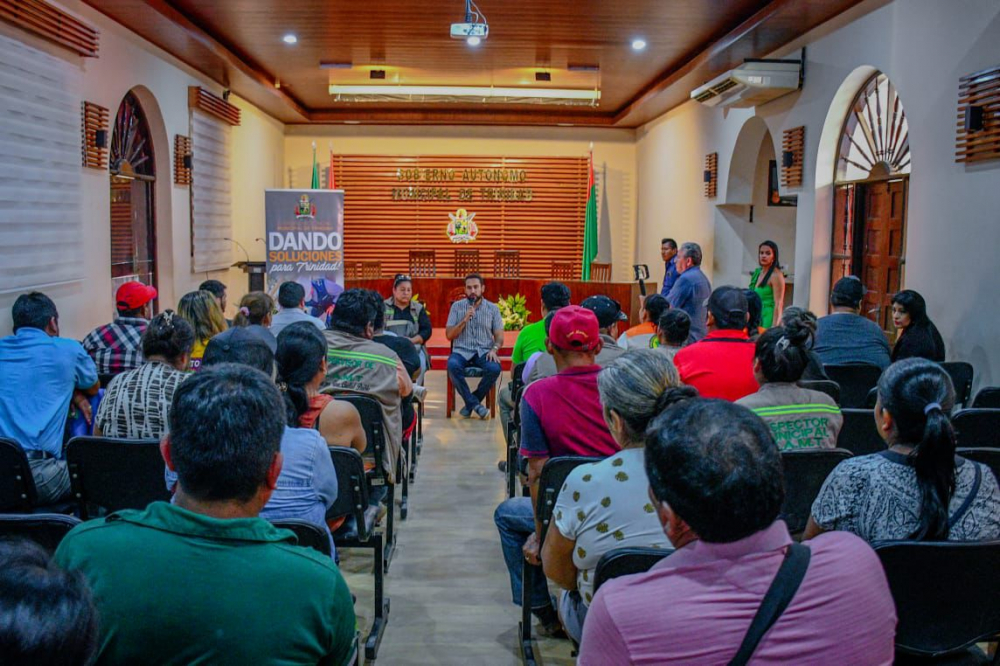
(753, 83)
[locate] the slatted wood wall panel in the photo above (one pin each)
(548, 228)
(53, 24)
(122, 240)
(201, 99)
(793, 141)
(95, 118)
(182, 149)
(711, 175)
(981, 89)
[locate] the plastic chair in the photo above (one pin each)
(961, 374)
(831, 388)
(989, 457)
(859, 434)
(308, 534)
(855, 381)
(352, 500)
(804, 473)
(625, 562)
(977, 428)
(987, 398)
(17, 485)
(115, 474)
(945, 593)
(45, 529)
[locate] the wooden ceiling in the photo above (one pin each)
(238, 43)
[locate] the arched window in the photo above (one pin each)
(875, 139)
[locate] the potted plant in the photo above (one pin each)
(514, 312)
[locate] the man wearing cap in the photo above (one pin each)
(844, 337)
(560, 416)
(721, 365)
(608, 312)
(117, 347)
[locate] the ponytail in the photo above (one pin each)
(783, 351)
(301, 350)
(254, 309)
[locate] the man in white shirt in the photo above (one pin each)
(292, 299)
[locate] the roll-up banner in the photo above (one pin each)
(305, 243)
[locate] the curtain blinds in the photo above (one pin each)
(40, 216)
(211, 193)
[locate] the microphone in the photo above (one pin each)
(237, 244)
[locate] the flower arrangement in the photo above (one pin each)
(514, 312)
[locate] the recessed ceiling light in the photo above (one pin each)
(638, 44)
(473, 41)
(289, 39)
(352, 122)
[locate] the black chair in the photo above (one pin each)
(961, 374)
(514, 443)
(308, 534)
(831, 388)
(45, 529)
(859, 434)
(115, 474)
(105, 380)
(871, 399)
(352, 501)
(550, 481)
(946, 596)
(804, 473)
(625, 562)
(17, 485)
(977, 428)
(987, 398)
(515, 383)
(989, 457)
(855, 381)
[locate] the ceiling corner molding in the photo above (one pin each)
(213, 105)
(52, 24)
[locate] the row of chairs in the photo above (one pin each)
(854, 385)
(506, 264)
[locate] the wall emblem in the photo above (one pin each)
(462, 229)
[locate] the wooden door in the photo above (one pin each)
(881, 252)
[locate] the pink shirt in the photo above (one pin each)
(695, 606)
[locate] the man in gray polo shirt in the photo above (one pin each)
(475, 329)
(844, 337)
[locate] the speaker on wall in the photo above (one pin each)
(973, 118)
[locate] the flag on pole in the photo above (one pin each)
(590, 222)
(330, 184)
(604, 223)
(315, 179)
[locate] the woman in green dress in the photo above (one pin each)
(769, 283)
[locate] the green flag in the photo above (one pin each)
(590, 224)
(315, 180)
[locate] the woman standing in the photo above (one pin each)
(201, 310)
(918, 336)
(769, 283)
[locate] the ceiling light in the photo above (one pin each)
(391, 93)
(326, 64)
(638, 44)
(473, 41)
(289, 38)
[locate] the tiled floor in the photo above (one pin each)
(448, 587)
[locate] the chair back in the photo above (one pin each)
(115, 473)
(562, 270)
(308, 534)
(625, 562)
(961, 374)
(466, 261)
(370, 412)
(600, 272)
(859, 434)
(977, 428)
(507, 263)
(551, 480)
(945, 593)
(829, 387)
(515, 378)
(804, 473)
(45, 529)
(369, 270)
(423, 263)
(855, 381)
(987, 398)
(988, 457)
(352, 489)
(17, 485)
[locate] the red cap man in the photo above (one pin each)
(133, 296)
(575, 329)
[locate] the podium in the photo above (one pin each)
(255, 270)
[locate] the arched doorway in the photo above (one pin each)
(133, 217)
(870, 196)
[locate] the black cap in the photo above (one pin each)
(607, 310)
(848, 291)
(729, 307)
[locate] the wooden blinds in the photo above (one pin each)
(53, 24)
(396, 204)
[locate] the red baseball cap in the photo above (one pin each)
(574, 329)
(132, 295)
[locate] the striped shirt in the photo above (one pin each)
(117, 347)
(479, 335)
(799, 418)
(136, 403)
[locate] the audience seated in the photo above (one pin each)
(475, 329)
(218, 291)
(673, 329)
(604, 505)
(254, 315)
(641, 335)
(357, 363)
(117, 347)
(201, 310)
(721, 365)
(691, 289)
(405, 350)
(301, 361)
(814, 370)
(844, 337)
(799, 418)
(715, 478)
(608, 313)
(292, 299)
(136, 403)
(407, 317)
(918, 336)
(560, 416)
(917, 489)
(41, 375)
(205, 579)
(47, 615)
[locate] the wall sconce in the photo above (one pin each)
(706, 176)
(187, 161)
(101, 138)
(973, 118)
(787, 158)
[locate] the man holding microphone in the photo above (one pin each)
(475, 329)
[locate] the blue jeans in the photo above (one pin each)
(456, 370)
(516, 521)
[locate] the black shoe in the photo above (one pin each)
(502, 466)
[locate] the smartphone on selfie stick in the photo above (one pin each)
(641, 273)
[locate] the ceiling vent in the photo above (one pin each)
(753, 83)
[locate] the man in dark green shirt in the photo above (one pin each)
(205, 580)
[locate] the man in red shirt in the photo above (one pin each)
(721, 364)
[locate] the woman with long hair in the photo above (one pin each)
(918, 336)
(769, 283)
(201, 310)
(254, 314)
(917, 489)
(814, 371)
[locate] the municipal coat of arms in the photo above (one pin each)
(305, 208)
(462, 229)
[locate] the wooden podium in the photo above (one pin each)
(255, 270)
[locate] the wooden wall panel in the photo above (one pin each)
(201, 99)
(793, 141)
(182, 150)
(711, 175)
(981, 90)
(51, 23)
(95, 118)
(378, 227)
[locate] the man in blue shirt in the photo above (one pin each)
(692, 289)
(39, 372)
(475, 329)
(668, 250)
